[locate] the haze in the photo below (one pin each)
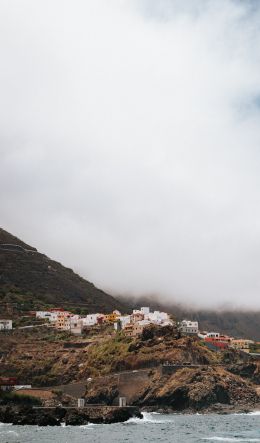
(129, 139)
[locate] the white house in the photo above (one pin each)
(213, 335)
(145, 310)
(158, 317)
(90, 319)
(6, 325)
(189, 327)
(42, 314)
(121, 322)
(47, 315)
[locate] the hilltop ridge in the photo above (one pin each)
(30, 279)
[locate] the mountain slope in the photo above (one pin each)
(29, 278)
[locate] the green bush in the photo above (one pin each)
(19, 399)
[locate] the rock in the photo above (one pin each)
(121, 415)
(72, 416)
(76, 418)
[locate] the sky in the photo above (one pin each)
(130, 143)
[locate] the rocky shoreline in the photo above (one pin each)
(57, 416)
(218, 408)
(72, 416)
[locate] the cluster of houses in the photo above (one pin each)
(215, 339)
(222, 342)
(133, 325)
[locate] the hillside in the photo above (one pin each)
(244, 324)
(49, 357)
(103, 365)
(30, 279)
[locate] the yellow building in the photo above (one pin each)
(63, 323)
(112, 318)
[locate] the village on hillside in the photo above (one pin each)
(132, 325)
(57, 357)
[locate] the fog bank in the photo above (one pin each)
(130, 142)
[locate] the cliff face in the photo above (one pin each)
(188, 389)
(31, 279)
(198, 389)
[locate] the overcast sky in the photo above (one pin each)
(130, 142)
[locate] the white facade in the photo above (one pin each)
(43, 314)
(90, 320)
(145, 310)
(47, 315)
(6, 325)
(124, 320)
(158, 317)
(213, 335)
(189, 327)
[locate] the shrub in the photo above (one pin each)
(20, 399)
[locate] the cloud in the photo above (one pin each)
(129, 140)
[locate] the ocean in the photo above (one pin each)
(153, 428)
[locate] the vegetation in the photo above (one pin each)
(103, 357)
(30, 280)
(18, 399)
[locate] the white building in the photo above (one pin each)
(90, 319)
(145, 310)
(189, 327)
(6, 325)
(47, 315)
(158, 317)
(213, 335)
(43, 314)
(124, 320)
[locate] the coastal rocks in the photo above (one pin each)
(249, 370)
(120, 415)
(102, 394)
(197, 389)
(69, 416)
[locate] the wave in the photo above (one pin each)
(247, 413)
(150, 417)
(233, 439)
(5, 432)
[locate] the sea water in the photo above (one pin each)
(153, 428)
